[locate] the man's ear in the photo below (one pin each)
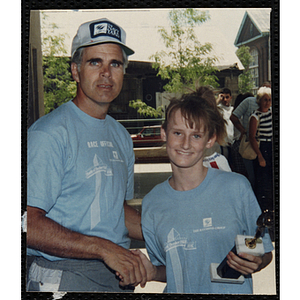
(163, 135)
(211, 141)
(75, 72)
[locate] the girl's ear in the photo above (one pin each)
(211, 141)
(163, 135)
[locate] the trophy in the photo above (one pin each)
(246, 244)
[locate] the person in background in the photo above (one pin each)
(192, 219)
(260, 129)
(80, 174)
(237, 162)
(217, 161)
(240, 119)
(224, 103)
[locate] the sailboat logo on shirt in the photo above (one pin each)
(98, 166)
(175, 240)
(207, 222)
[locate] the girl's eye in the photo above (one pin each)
(177, 133)
(197, 136)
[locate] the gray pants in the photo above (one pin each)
(72, 275)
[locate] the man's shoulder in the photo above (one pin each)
(55, 121)
(245, 105)
(151, 197)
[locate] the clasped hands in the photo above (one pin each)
(244, 263)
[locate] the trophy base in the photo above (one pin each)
(214, 277)
(223, 273)
(240, 243)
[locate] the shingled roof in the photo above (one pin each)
(260, 20)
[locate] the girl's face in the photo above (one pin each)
(265, 103)
(185, 145)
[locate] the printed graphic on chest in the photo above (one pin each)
(95, 144)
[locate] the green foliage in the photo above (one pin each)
(145, 110)
(187, 62)
(59, 87)
(245, 79)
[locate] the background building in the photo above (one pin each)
(254, 32)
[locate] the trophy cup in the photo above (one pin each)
(246, 244)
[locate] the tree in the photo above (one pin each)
(245, 79)
(187, 61)
(59, 87)
(146, 110)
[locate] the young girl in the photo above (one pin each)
(191, 220)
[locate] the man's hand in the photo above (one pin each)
(128, 266)
(251, 265)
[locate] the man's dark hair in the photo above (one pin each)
(226, 91)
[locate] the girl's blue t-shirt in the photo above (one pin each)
(188, 230)
(80, 171)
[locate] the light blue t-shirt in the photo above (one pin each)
(80, 171)
(188, 230)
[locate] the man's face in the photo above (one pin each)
(100, 78)
(226, 99)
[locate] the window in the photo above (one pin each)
(254, 70)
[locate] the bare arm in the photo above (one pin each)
(133, 222)
(236, 122)
(50, 237)
(253, 142)
(252, 265)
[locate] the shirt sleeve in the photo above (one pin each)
(44, 170)
(241, 109)
(150, 237)
(130, 183)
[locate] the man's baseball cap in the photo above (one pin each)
(98, 32)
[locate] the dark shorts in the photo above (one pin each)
(72, 275)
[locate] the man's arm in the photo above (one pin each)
(237, 124)
(133, 222)
(50, 237)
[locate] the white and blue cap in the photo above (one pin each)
(98, 32)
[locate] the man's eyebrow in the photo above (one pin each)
(97, 59)
(117, 61)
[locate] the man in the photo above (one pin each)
(224, 102)
(80, 172)
(240, 119)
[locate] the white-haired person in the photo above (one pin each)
(260, 130)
